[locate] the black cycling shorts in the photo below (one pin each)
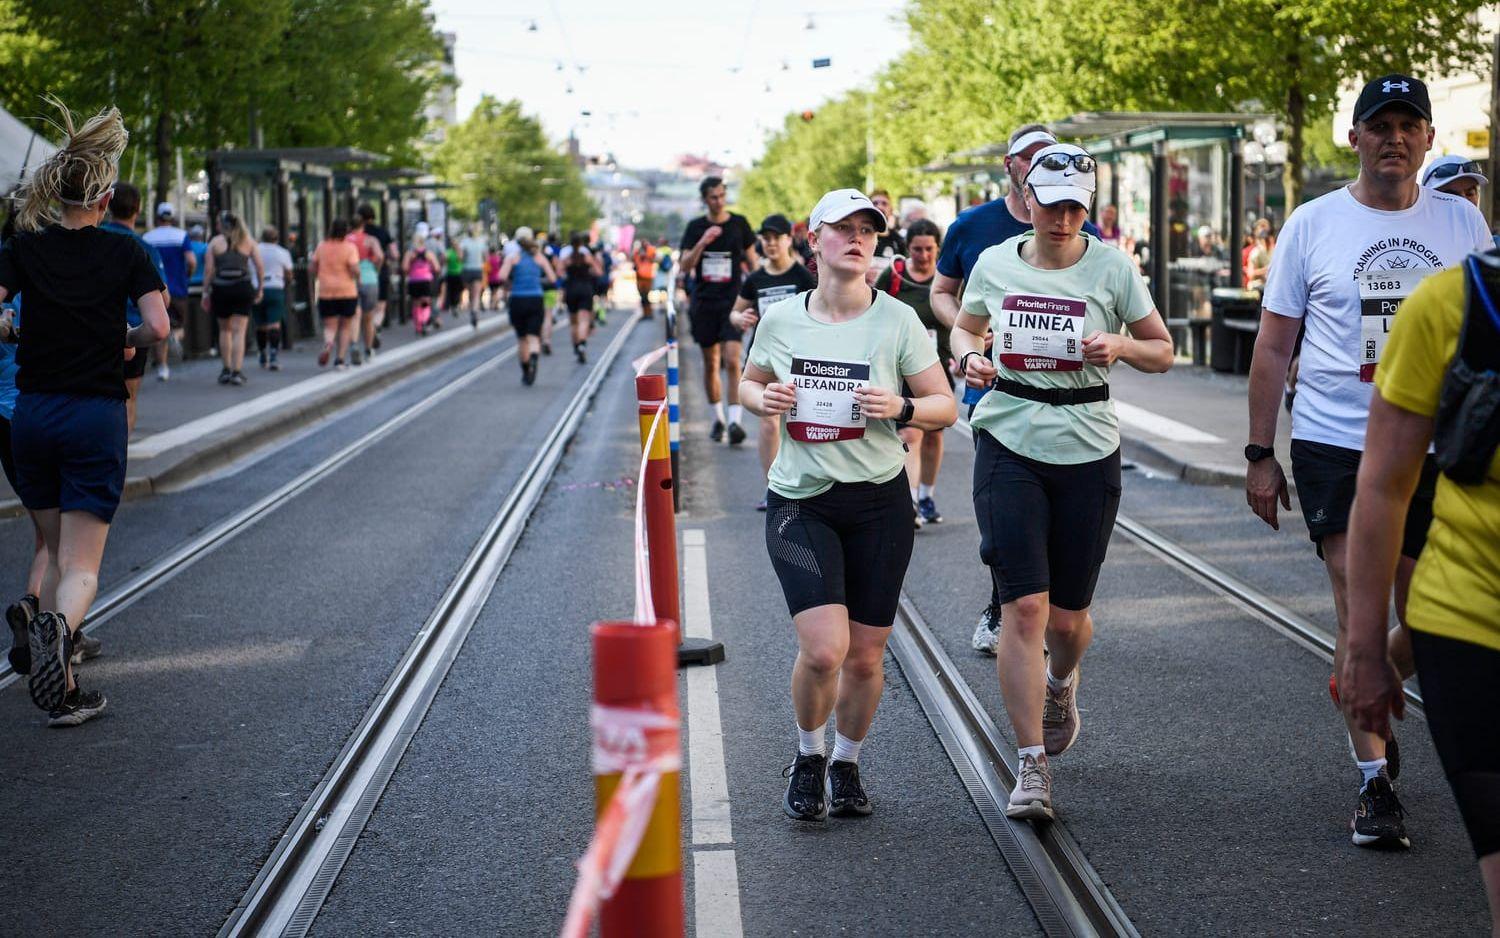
(1461, 695)
(578, 296)
(848, 546)
(1044, 528)
(1325, 477)
(526, 315)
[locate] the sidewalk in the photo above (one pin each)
(1192, 422)
(192, 425)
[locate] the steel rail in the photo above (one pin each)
(292, 885)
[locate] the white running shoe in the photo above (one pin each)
(987, 631)
(163, 372)
(1032, 796)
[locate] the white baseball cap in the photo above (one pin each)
(1030, 140)
(1068, 184)
(523, 233)
(165, 210)
(421, 230)
(1446, 169)
(839, 205)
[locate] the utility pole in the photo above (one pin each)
(870, 142)
(1489, 191)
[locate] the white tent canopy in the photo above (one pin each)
(21, 149)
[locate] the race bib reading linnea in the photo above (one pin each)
(1041, 333)
(717, 267)
(826, 411)
(1380, 294)
(767, 296)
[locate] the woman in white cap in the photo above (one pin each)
(1455, 175)
(1047, 465)
(831, 361)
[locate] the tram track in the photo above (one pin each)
(216, 535)
(294, 882)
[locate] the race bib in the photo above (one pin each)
(1040, 333)
(826, 411)
(1380, 294)
(766, 296)
(717, 267)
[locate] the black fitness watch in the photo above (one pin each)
(908, 408)
(1256, 453)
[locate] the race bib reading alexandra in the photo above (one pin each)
(1041, 333)
(826, 410)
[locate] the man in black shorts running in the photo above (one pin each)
(717, 248)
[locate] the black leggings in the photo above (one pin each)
(848, 546)
(1044, 528)
(1461, 694)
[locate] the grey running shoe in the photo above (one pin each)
(355, 358)
(50, 649)
(987, 631)
(1378, 819)
(18, 616)
(85, 646)
(1032, 796)
(1060, 720)
(846, 794)
(79, 706)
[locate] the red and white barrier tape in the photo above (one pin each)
(647, 360)
(641, 745)
(645, 609)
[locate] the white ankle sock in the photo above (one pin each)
(1369, 770)
(810, 742)
(1033, 751)
(719, 410)
(913, 496)
(736, 412)
(924, 491)
(846, 749)
(1058, 683)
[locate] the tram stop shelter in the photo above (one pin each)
(300, 190)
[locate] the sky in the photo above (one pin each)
(649, 81)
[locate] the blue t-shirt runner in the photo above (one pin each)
(132, 313)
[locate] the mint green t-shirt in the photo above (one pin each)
(1040, 318)
(824, 439)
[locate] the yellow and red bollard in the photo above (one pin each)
(637, 727)
(661, 524)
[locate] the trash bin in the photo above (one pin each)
(1232, 345)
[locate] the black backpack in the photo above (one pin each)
(1466, 428)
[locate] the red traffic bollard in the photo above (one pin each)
(661, 525)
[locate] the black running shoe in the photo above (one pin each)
(18, 616)
(85, 646)
(736, 434)
(846, 796)
(546, 348)
(1378, 819)
(79, 706)
(717, 433)
(224, 375)
(50, 649)
(806, 795)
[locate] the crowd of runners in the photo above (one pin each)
(855, 339)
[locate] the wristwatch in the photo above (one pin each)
(1256, 453)
(908, 408)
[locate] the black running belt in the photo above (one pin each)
(1091, 394)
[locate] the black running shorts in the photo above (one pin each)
(578, 296)
(848, 546)
(710, 323)
(1325, 477)
(1461, 695)
(526, 314)
(1043, 528)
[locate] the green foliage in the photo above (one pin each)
(193, 73)
(499, 153)
(977, 68)
(806, 158)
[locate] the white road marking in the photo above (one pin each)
(1165, 427)
(716, 895)
(716, 890)
(154, 445)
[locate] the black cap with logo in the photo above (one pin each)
(775, 224)
(1392, 89)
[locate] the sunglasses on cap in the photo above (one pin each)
(1449, 170)
(1057, 162)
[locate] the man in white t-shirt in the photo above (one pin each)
(1342, 266)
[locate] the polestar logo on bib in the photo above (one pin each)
(1380, 295)
(717, 267)
(1041, 333)
(826, 411)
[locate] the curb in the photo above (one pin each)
(1154, 457)
(230, 445)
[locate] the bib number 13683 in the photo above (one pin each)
(1380, 294)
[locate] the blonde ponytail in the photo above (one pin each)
(80, 173)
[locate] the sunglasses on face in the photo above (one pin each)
(1449, 170)
(1057, 162)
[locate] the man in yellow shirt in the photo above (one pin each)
(1454, 605)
